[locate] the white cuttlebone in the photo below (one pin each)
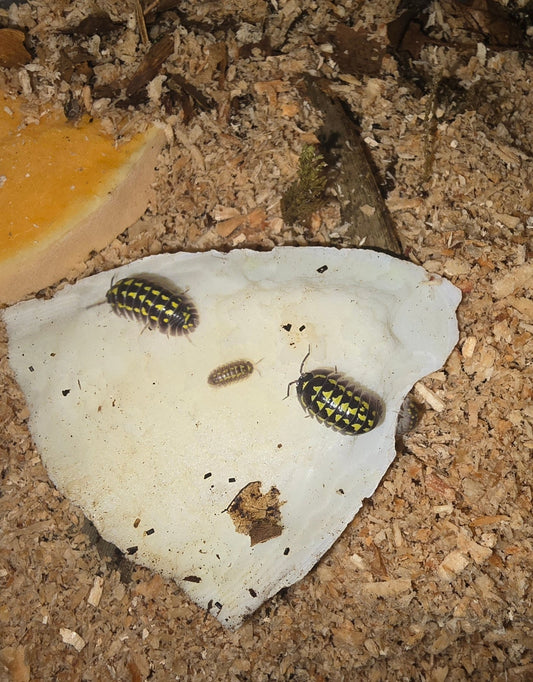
(128, 427)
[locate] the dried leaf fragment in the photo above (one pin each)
(355, 52)
(99, 23)
(255, 514)
(12, 50)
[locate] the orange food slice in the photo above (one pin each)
(65, 190)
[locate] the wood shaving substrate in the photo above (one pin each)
(432, 580)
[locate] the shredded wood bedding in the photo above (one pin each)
(432, 579)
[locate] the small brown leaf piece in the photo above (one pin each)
(355, 52)
(12, 50)
(98, 23)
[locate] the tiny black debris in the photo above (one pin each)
(286, 550)
(150, 531)
(65, 391)
(207, 475)
(322, 269)
(287, 327)
(132, 550)
(252, 592)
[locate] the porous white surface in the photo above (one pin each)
(128, 427)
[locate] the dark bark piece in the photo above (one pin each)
(177, 82)
(150, 65)
(357, 182)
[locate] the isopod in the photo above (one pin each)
(337, 401)
(157, 307)
(408, 417)
(230, 372)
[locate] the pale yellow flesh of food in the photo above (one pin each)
(65, 190)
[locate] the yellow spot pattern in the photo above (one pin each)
(336, 402)
(137, 298)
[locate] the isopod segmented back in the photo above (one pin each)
(157, 307)
(230, 372)
(409, 415)
(338, 402)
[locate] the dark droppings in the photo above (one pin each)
(132, 550)
(286, 550)
(287, 327)
(150, 531)
(192, 579)
(252, 592)
(208, 475)
(65, 391)
(322, 269)
(31, 368)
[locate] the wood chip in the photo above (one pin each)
(523, 305)
(96, 591)
(488, 520)
(72, 638)
(367, 210)
(514, 279)
(387, 588)
(454, 563)
(226, 227)
(429, 397)
(13, 660)
(151, 588)
(459, 489)
(468, 346)
(477, 552)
